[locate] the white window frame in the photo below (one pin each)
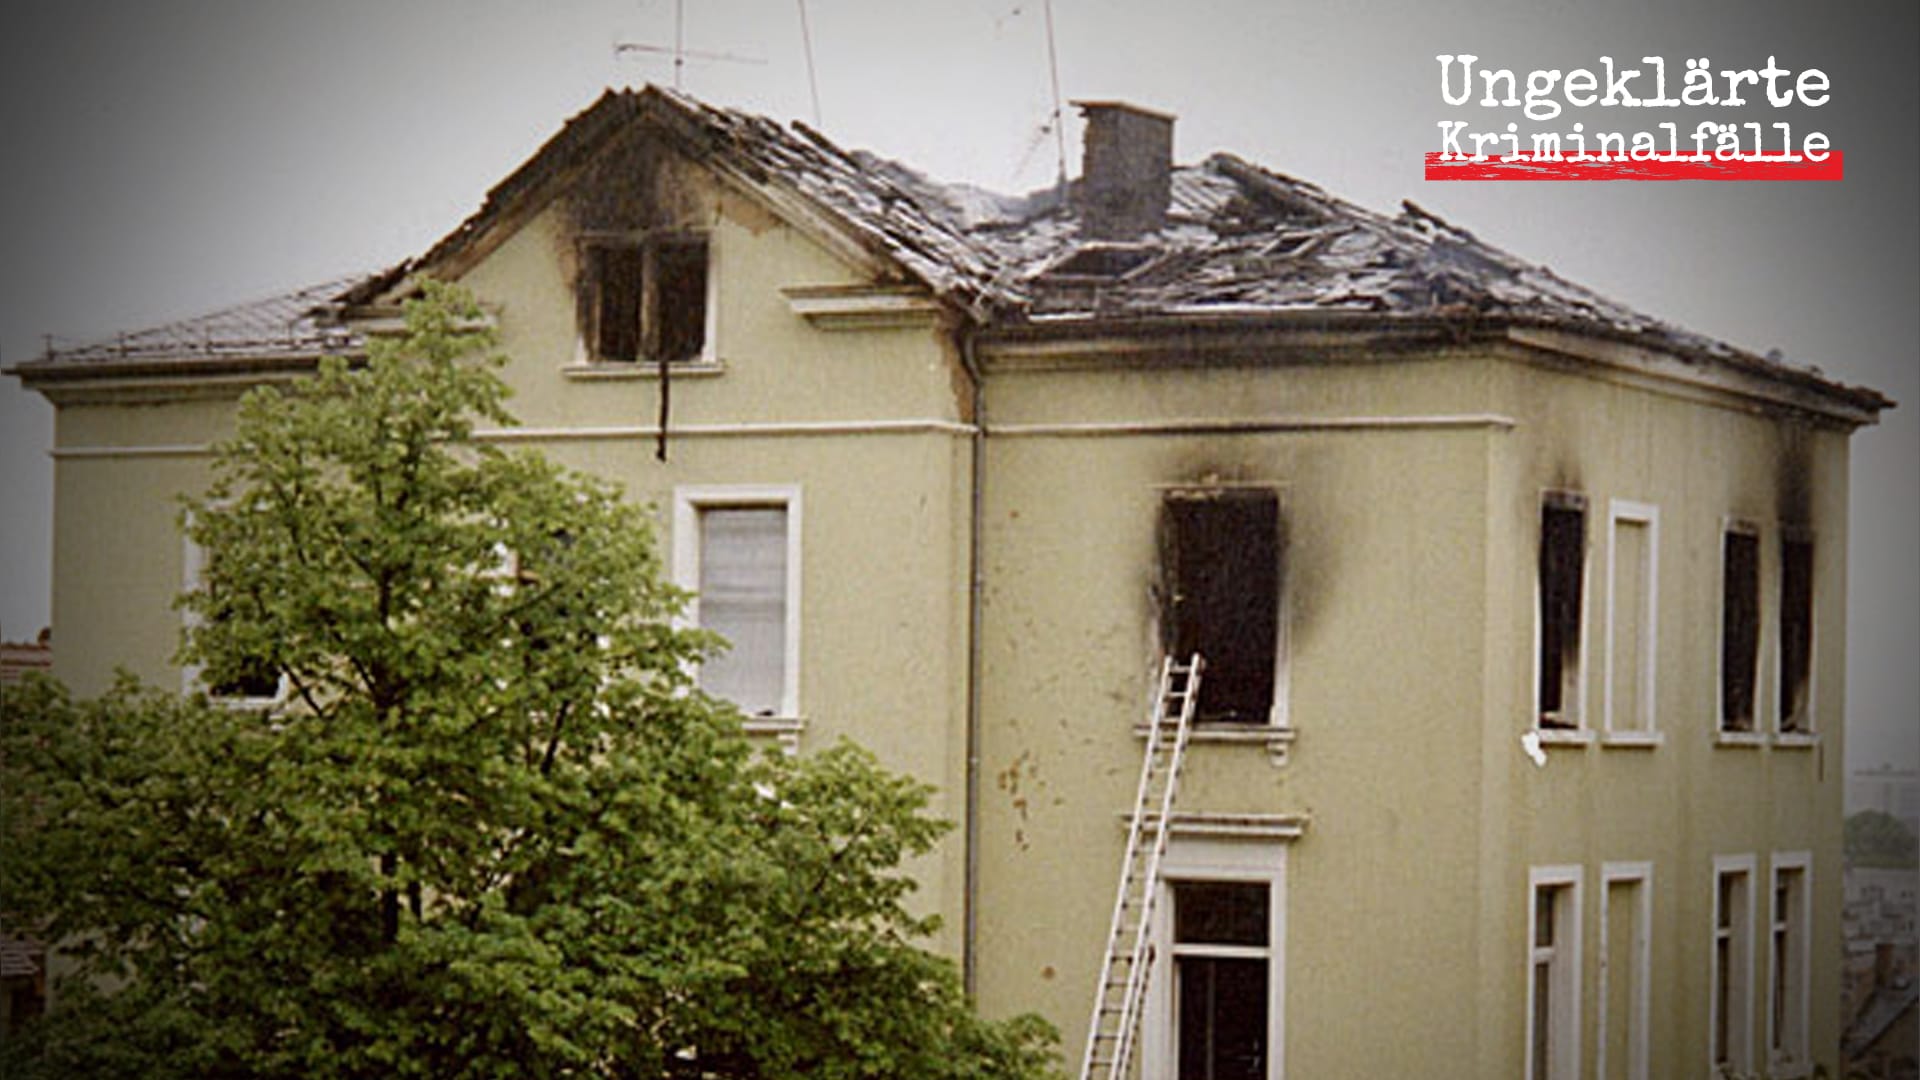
(193, 568)
(1807, 733)
(1640, 994)
(1788, 1053)
(1245, 860)
(1756, 734)
(1566, 956)
(1573, 698)
(1647, 515)
(688, 503)
(1740, 966)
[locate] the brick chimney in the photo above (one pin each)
(1126, 170)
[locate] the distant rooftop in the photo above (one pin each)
(301, 322)
(19, 658)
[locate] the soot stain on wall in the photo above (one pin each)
(1793, 475)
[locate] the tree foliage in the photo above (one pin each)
(489, 828)
(1877, 839)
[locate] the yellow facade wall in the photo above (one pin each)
(1410, 482)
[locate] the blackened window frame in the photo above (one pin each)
(1794, 617)
(1237, 690)
(1740, 628)
(624, 322)
(1560, 610)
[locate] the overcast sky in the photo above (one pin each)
(166, 158)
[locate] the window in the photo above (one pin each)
(1625, 954)
(1787, 976)
(743, 575)
(1632, 617)
(1553, 974)
(1739, 626)
(1215, 1007)
(1563, 557)
(645, 298)
(252, 680)
(1732, 975)
(1796, 631)
(1220, 980)
(738, 549)
(1222, 552)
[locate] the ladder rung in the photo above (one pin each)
(1127, 965)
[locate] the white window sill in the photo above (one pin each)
(1277, 739)
(245, 704)
(1740, 738)
(1634, 740)
(1797, 740)
(785, 729)
(1564, 736)
(642, 369)
(238, 702)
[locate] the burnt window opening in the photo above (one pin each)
(1739, 627)
(646, 299)
(1563, 557)
(1796, 631)
(1221, 579)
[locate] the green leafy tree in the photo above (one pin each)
(489, 828)
(1877, 839)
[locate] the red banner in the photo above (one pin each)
(1686, 167)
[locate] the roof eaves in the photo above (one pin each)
(237, 363)
(1193, 328)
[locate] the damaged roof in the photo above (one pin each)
(1238, 240)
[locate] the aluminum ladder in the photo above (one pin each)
(1122, 987)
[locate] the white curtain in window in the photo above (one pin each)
(743, 597)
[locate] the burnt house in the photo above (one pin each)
(1521, 609)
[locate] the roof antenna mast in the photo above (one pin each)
(806, 42)
(1059, 118)
(679, 41)
(681, 54)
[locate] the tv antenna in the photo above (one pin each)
(679, 51)
(806, 42)
(1056, 120)
(1059, 118)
